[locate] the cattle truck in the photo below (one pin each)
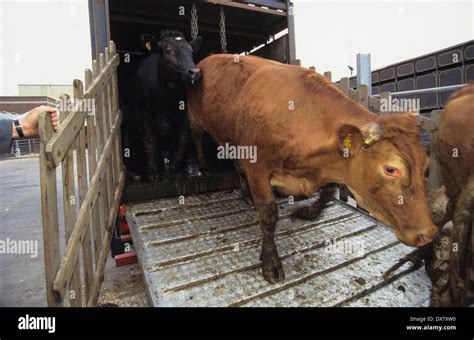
(196, 240)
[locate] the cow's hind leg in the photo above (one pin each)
(267, 211)
(313, 211)
(244, 185)
(198, 134)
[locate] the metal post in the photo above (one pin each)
(364, 74)
(291, 31)
(99, 26)
(17, 149)
(434, 180)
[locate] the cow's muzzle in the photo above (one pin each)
(194, 75)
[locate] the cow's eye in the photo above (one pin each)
(168, 50)
(391, 171)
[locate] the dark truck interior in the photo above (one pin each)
(236, 27)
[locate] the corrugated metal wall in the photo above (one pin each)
(450, 66)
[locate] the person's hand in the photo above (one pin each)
(29, 120)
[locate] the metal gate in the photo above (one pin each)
(87, 150)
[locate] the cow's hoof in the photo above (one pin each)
(307, 213)
(278, 193)
(416, 257)
(272, 270)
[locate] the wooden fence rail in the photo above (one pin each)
(87, 149)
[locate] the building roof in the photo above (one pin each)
(21, 104)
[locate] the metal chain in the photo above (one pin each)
(194, 22)
(222, 31)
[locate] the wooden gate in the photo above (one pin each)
(87, 150)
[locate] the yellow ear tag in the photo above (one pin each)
(347, 144)
(148, 45)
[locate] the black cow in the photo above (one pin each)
(160, 97)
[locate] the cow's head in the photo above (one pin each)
(176, 56)
(385, 172)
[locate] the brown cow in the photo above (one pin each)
(309, 134)
(449, 270)
(456, 159)
(456, 143)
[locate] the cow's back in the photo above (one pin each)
(211, 101)
(456, 141)
(254, 101)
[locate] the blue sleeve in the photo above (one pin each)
(6, 132)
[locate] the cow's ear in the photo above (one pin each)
(148, 42)
(196, 44)
(349, 139)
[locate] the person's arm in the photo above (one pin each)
(28, 123)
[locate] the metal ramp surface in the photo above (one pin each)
(205, 252)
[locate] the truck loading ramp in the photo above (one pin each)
(203, 250)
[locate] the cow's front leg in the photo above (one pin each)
(272, 268)
(313, 211)
(151, 153)
(267, 211)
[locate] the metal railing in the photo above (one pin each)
(22, 147)
(424, 91)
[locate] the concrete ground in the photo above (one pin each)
(22, 275)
